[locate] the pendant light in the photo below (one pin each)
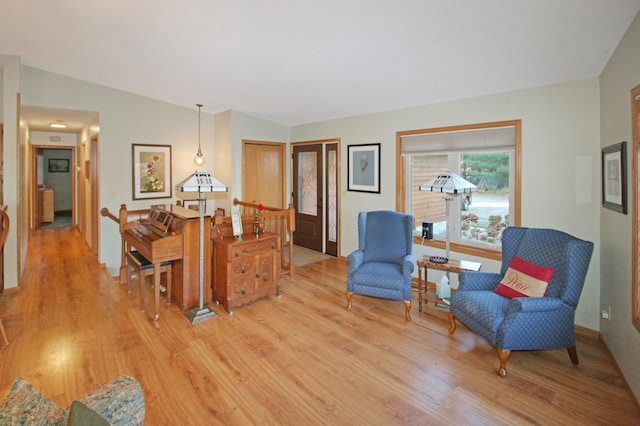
(199, 158)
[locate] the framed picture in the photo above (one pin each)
(614, 177)
(58, 165)
(151, 171)
(236, 224)
(363, 168)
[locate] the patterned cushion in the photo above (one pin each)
(120, 401)
(524, 279)
(25, 405)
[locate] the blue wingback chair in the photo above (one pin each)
(383, 263)
(526, 323)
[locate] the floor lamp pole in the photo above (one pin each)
(202, 312)
(447, 200)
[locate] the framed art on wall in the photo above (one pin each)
(614, 177)
(151, 171)
(363, 168)
(58, 165)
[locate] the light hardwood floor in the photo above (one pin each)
(302, 359)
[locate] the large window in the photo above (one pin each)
(487, 155)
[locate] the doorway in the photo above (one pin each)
(263, 173)
(54, 186)
(315, 189)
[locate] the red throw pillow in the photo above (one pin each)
(524, 279)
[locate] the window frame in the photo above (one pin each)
(401, 183)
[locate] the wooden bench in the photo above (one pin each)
(139, 265)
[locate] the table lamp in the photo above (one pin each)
(451, 185)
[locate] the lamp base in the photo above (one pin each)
(196, 315)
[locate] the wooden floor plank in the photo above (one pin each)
(299, 359)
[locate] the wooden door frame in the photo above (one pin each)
(324, 142)
(95, 193)
(34, 181)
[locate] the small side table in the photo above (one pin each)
(453, 265)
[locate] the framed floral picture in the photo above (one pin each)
(151, 171)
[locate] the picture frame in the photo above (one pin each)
(363, 168)
(236, 224)
(614, 177)
(151, 171)
(58, 165)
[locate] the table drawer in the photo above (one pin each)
(251, 248)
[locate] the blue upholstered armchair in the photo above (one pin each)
(526, 323)
(383, 263)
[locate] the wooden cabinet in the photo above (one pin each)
(245, 269)
(47, 205)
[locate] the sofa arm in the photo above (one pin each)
(354, 260)
(478, 281)
(119, 401)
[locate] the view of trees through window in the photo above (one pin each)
(488, 214)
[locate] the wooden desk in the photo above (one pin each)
(453, 265)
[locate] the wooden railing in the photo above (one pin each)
(274, 219)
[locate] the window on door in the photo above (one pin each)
(486, 155)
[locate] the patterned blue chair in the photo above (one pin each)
(526, 323)
(383, 263)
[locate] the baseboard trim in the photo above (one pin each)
(587, 333)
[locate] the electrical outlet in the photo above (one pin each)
(606, 313)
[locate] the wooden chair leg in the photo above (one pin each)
(168, 270)
(573, 354)
(504, 356)
(407, 310)
(141, 278)
(349, 294)
(129, 276)
(4, 333)
(452, 323)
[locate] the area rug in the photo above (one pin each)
(304, 256)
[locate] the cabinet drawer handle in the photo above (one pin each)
(243, 291)
(237, 254)
(257, 275)
(243, 269)
(273, 246)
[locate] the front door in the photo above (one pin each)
(307, 196)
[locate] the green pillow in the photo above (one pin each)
(81, 415)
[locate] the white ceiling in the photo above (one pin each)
(301, 61)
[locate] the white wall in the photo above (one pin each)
(125, 119)
(560, 156)
(232, 127)
(621, 74)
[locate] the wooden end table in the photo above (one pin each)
(453, 265)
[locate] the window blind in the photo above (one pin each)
(489, 139)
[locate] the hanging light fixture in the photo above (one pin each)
(199, 158)
(449, 184)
